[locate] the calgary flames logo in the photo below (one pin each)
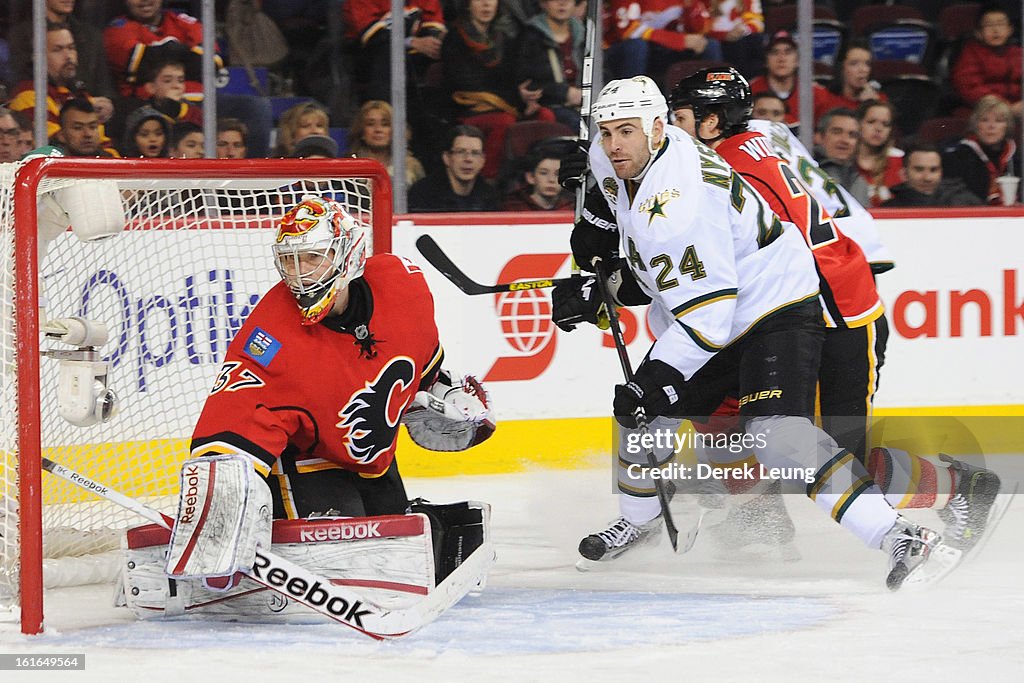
(301, 219)
(370, 417)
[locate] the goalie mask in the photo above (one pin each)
(320, 248)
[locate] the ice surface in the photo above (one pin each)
(653, 616)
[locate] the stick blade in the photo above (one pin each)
(431, 251)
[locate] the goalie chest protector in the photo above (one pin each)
(311, 390)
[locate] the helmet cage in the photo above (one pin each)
(319, 249)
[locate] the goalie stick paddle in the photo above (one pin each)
(338, 603)
(431, 251)
(641, 418)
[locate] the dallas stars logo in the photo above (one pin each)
(654, 205)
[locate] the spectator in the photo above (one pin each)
(780, 78)
(26, 136)
(92, 70)
(987, 152)
(768, 106)
(370, 138)
(459, 186)
(738, 25)
(62, 82)
(835, 150)
(551, 56)
(368, 25)
(166, 88)
(231, 139)
(988, 64)
(479, 74)
(308, 118)
(541, 191)
(148, 34)
(879, 163)
(925, 185)
(186, 141)
(8, 137)
(645, 36)
(147, 134)
(851, 83)
(513, 15)
(79, 134)
(315, 147)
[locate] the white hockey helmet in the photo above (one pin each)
(627, 98)
(319, 249)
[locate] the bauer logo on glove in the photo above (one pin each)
(452, 415)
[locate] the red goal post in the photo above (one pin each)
(172, 286)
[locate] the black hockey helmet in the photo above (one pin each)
(722, 90)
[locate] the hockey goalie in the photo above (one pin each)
(295, 447)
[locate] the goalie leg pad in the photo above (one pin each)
(389, 558)
(458, 529)
(224, 513)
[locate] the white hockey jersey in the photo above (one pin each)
(851, 217)
(707, 249)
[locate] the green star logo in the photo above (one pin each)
(657, 208)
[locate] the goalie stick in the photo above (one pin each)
(638, 415)
(431, 251)
(339, 603)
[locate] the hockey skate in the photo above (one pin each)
(969, 510)
(760, 524)
(620, 536)
(917, 555)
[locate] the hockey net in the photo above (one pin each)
(172, 288)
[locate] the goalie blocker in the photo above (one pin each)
(393, 559)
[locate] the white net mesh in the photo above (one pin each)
(172, 288)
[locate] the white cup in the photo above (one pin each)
(1008, 185)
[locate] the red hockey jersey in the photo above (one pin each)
(665, 22)
(848, 293)
(366, 18)
(127, 42)
(309, 391)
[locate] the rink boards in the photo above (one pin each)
(955, 303)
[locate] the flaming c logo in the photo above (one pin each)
(525, 318)
(300, 219)
(370, 417)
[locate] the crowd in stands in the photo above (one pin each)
(915, 103)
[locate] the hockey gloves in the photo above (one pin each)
(657, 388)
(595, 234)
(578, 301)
(572, 172)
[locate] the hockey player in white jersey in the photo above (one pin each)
(734, 307)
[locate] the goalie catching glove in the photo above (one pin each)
(452, 415)
(224, 514)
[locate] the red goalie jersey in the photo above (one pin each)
(848, 293)
(261, 402)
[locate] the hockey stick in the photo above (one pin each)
(590, 39)
(638, 414)
(431, 251)
(341, 604)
